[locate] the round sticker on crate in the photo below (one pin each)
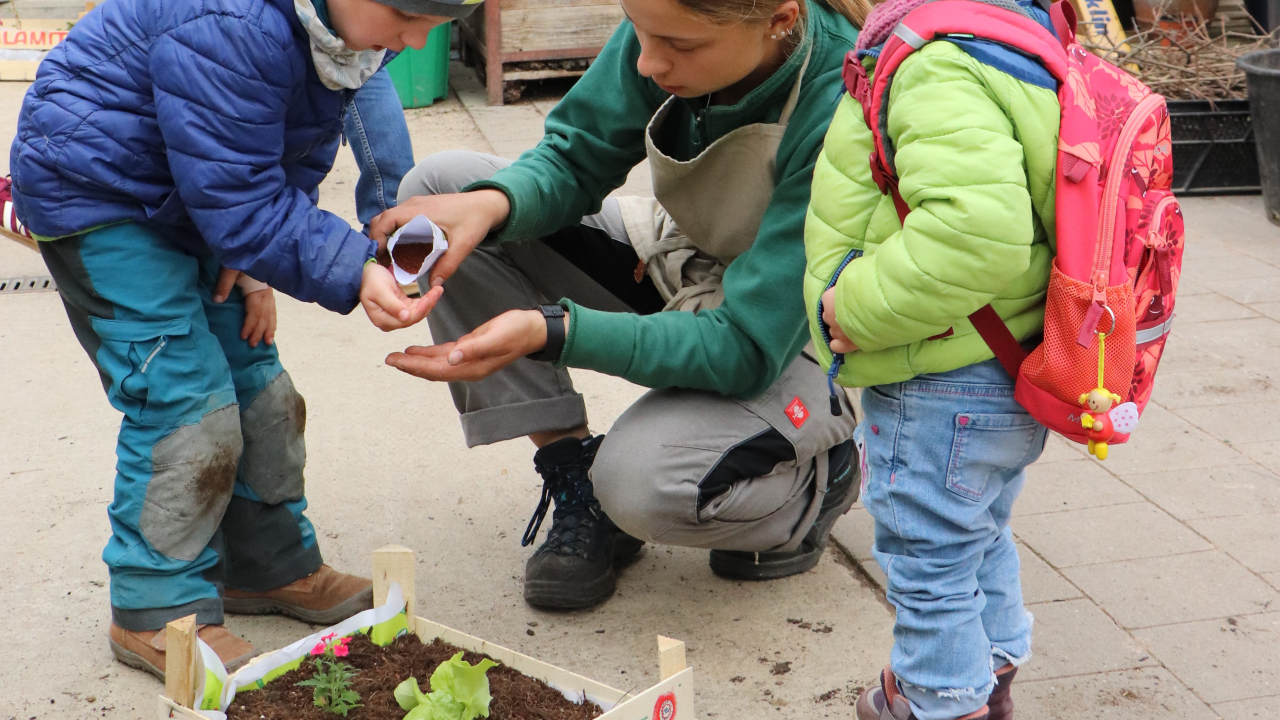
(665, 708)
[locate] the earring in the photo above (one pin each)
(775, 37)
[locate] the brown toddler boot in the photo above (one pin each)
(887, 703)
(324, 597)
(145, 649)
(1001, 702)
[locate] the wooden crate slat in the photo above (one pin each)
(396, 564)
(556, 28)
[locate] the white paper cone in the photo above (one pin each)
(418, 230)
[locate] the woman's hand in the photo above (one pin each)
(840, 342)
(386, 304)
(466, 219)
(481, 352)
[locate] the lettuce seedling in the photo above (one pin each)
(459, 691)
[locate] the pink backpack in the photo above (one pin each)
(1119, 228)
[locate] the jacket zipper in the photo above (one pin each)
(837, 359)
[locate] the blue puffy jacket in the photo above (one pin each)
(205, 120)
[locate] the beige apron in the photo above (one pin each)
(706, 211)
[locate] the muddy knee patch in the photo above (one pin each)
(193, 473)
(275, 452)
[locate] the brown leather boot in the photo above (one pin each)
(324, 597)
(145, 649)
(887, 703)
(1001, 702)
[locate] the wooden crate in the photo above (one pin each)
(522, 31)
(670, 699)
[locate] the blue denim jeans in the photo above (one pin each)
(943, 458)
(375, 127)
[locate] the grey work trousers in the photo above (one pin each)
(679, 467)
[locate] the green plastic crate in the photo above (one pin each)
(421, 76)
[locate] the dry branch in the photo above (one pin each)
(1184, 60)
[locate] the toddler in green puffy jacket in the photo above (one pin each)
(943, 443)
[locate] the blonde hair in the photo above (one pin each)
(732, 12)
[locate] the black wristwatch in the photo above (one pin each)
(550, 352)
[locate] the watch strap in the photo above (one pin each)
(554, 315)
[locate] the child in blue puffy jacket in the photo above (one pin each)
(164, 149)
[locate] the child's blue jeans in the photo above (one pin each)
(379, 136)
(943, 458)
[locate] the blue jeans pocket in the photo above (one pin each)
(986, 446)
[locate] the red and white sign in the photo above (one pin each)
(665, 707)
(797, 413)
(23, 44)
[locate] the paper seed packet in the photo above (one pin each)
(414, 248)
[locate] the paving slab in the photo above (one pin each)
(1055, 487)
(1266, 453)
(1212, 306)
(1058, 449)
(1106, 534)
(1270, 309)
(1074, 637)
(1166, 442)
(1144, 694)
(1273, 578)
(1176, 389)
(1221, 660)
(1263, 708)
(1211, 492)
(1040, 582)
(855, 533)
(1174, 589)
(1237, 222)
(1252, 539)
(1237, 423)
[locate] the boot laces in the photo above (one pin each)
(577, 513)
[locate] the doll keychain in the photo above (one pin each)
(1103, 421)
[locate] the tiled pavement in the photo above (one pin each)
(1154, 577)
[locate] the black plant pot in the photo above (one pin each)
(1262, 69)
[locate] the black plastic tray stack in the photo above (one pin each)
(1214, 151)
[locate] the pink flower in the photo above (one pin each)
(329, 637)
(318, 649)
(340, 650)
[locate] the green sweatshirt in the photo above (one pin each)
(595, 135)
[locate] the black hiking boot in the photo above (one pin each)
(574, 567)
(842, 493)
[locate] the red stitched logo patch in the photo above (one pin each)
(665, 708)
(797, 413)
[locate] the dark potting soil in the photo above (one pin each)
(410, 256)
(515, 696)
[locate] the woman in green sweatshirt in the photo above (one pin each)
(695, 293)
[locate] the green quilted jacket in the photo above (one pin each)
(975, 154)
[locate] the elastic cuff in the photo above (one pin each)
(208, 611)
(495, 424)
(567, 304)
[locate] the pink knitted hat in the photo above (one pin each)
(882, 20)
